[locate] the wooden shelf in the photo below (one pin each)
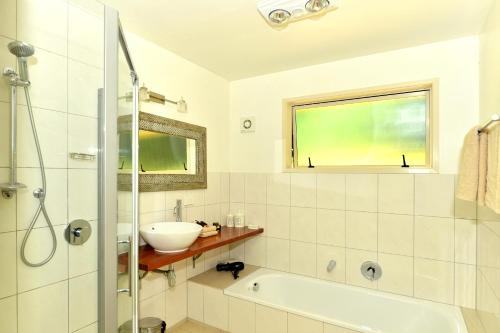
(149, 259)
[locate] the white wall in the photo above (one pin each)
(206, 94)
(454, 63)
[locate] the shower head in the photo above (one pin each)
(22, 50)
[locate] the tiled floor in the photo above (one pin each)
(195, 327)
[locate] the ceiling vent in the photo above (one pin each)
(282, 12)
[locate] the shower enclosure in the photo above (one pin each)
(63, 222)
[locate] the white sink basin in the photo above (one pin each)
(170, 237)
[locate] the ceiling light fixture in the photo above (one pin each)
(281, 12)
(279, 16)
(315, 6)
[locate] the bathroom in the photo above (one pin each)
(363, 238)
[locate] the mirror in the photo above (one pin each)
(172, 154)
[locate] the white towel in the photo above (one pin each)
(468, 176)
(492, 198)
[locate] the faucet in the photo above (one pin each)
(178, 211)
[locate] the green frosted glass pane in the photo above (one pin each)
(157, 152)
(363, 133)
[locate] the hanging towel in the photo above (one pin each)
(492, 198)
(468, 176)
(483, 168)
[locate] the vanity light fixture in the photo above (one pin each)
(147, 95)
(282, 12)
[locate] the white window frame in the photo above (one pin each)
(376, 93)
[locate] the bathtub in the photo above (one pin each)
(353, 308)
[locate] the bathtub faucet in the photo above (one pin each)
(331, 265)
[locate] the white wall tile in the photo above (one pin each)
(7, 207)
(194, 197)
(212, 258)
(83, 84)
(153, 306)
(361, 230)
(269, 320)
(8, 314)
(237, 187)
(299, 324)
(195, 301)
(278, 189)
(216, 308)
(361, 193)
(82, 138)
(49, 82)
(85, 36)
(330, 227)
(237, 250)
(224, 187)
(255, 188)
(151, 202)
(241, 316)
(212, 213)
(434, 238)
(303, 224)
(8, 19)
(151, 284)
(38, 248)
(324, 255)
(176, 304)
(434, 195)
(465, 241)
(395, 234)
(212, 194)
(278, 222)
(43, 24)
(82, 194)
(303, 190)
(302, 258)
(395, 194)
(82, 301)
(33, 312)
(8, 283)
(465, 285)
(331, 191)
(198, 269)
(255, 251)
(278, 254)
(55, 201)
(52, 134)
(434, 280)
(89, 329)
(397, 276)
(256, 214)
(354, 260)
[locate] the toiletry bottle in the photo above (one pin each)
(239, 220)
(230, 220)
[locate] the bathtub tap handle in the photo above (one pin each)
(331, 265)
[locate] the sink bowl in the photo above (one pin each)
(170, 237)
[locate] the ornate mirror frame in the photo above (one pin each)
(151, 182)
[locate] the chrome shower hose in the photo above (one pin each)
(40, 194)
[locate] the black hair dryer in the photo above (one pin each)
(233, 267)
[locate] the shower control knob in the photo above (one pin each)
(78, 232)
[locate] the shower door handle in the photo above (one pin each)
(129, 265)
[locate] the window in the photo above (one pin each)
(363, 130)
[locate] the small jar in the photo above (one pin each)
(230, 220)
(239, 220)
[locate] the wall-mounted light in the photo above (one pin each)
(282, 12)
(147, 95)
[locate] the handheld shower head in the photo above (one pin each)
(22, 50)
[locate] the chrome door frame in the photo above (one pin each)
(108, 167)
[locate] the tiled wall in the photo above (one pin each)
(424, 240)
(65, 72)
(210, 205)
(488, 270)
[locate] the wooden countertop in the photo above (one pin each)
(149, 259)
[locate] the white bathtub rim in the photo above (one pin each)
(446, 309)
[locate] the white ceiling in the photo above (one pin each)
(230, 38)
